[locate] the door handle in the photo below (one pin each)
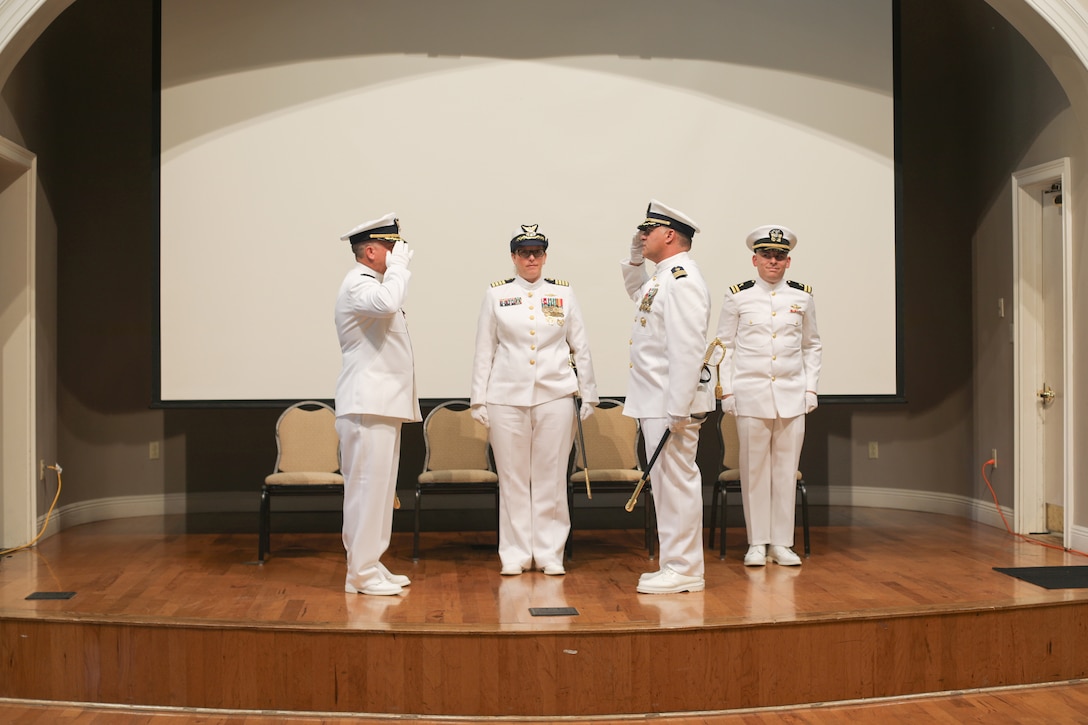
(1046, 394)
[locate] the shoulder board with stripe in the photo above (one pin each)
(559, 282)
(501, 282)
(679, 272)
(800, 285)
(742, 286)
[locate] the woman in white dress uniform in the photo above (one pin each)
(523, 388)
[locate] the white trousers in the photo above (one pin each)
(370, 459)
(677, 487)
(532, 448)
(770, 451)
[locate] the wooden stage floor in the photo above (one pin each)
(909, 578)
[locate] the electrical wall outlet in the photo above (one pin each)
(874, 450)
(993, 455)
(41, 470)
(153, 451)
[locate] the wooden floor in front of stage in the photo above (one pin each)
(866, 563)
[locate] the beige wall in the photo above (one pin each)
(977, 103)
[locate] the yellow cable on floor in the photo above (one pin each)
(55, 467)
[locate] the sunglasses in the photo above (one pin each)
(774, 254)
(526, 252)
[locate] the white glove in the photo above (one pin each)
(729, 405)
(586, 410)
(678, 422)
(479, 414)
(400, 256)
(636, 249)
(811, 401)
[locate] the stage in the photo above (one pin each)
(890, 603)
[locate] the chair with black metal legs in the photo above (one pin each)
(457, 460)
(307, 461)
(611, 452)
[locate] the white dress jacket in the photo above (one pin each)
(773, 347)
(378, 374)
(668, 340)
(525, 335)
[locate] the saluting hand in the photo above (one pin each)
(400, 256)
(636, 249)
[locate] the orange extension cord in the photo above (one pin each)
(1009, 528)
(55, 467)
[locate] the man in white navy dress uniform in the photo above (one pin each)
(666, 390)
(769, 376)
(375, 394)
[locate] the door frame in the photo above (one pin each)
(1028, 186)
(18, 380)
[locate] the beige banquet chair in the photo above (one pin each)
(611, 452)
(458, 459)
(729, 482)
(307, 460)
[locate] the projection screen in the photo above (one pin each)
(285, 123)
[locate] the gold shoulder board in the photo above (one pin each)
(800, 285)
(742, 286)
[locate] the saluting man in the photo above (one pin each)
(666, 390)
(770, 378)
(522, 388)
(375, 394)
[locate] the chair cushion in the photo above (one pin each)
(607, 474)
(303, 478)
(456, 475)
(731, 475)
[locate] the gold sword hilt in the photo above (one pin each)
(717, 343)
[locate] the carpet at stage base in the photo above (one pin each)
(1050, 577)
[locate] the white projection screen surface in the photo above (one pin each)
(285, 123)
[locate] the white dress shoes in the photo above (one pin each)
(648, 575)
(399, 579)
(510, 570)
(756, 556)
(783, 556)
(671, 582)
(554, 570)
(380, 588)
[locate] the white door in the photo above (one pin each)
(1044, 457)
(1051, 396)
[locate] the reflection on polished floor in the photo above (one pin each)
(865, 561)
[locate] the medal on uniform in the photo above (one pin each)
(552, 308)
(648, 299)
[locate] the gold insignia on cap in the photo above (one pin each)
(775, 236)
(529, 233)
